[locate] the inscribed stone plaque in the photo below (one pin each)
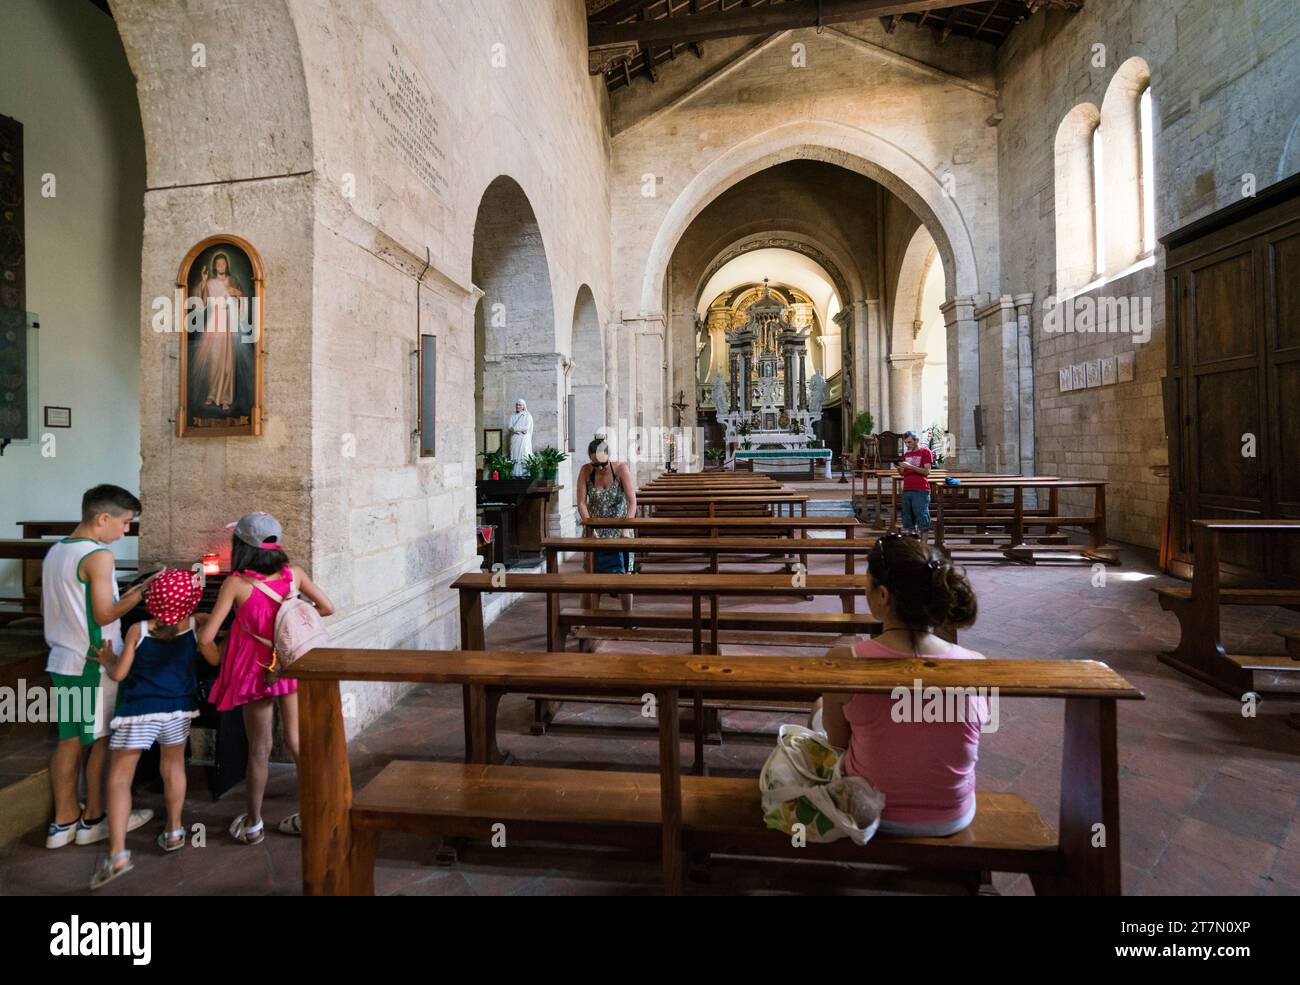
(1108, 371)
(1065, 379)
(1078, 378)
(1094, 372)
(404, 112)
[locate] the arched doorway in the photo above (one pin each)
(514, 321)
(586, 377)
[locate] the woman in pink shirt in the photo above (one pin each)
(925, 768)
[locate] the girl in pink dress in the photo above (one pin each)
(925, 768)
(258, 564)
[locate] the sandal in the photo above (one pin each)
(165, 839)
(107, 870)
(292, 825)
(240, 830)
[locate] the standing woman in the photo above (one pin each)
(520, 436)
(606, 490)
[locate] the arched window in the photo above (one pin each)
(1147, 149)
(1098, 203)
(1126, 183)
(1076, 192)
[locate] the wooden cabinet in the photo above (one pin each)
(1232, 391)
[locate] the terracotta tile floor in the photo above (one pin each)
(1209, 798)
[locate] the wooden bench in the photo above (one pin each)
(678, 814)
(1200, 652)
(718, 550)
(816, 630)
(1014, 518)
(771, 526)
(773, 504)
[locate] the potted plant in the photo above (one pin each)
(550, 458)
(744, 429)
(715, 455)
(497, 462)
(935, 439)
(534, 465)
(863, 425)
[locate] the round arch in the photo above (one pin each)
(919, 256)
(586, 375)
(514, 320)
(828, 258)
(833, 143)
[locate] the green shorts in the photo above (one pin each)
(79, 704)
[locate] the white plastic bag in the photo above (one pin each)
(803, 782)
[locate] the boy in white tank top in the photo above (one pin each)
(82, 613)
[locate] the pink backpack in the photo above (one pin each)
(298, 628)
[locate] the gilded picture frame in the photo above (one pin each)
(218, 314)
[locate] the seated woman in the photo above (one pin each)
(926, 769)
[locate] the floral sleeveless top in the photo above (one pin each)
(608, 503)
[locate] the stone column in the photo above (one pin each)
(1025, 372)
(875, 369)
(999, 336)
(904, 396)
(918, 403)
(648, 411)
(963, 379)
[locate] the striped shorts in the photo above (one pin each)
(143, 734)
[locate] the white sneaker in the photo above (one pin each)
(88, 834)
(58, 835)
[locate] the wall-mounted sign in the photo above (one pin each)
(58, 417)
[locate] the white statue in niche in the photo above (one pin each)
(720, 401)
(816, 394)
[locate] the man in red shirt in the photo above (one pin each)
(915, 470)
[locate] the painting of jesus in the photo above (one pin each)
(221, 281)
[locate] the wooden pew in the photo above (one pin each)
(697, 587)
(690, 814)
(707, 504)
(772, 526)
(1200, 652)
(561, 622)
(718, 550)
(1017, 518)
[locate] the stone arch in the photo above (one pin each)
(221, 158)
(907, 360)
(1076, 233)
(587, 375)
(831, 258)
(834, 143)
(514, 321)
(1121, 143)
(920, 254)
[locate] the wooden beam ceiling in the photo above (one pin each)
(741, 21)
(653, 30)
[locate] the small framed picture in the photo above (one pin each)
(58, 417)
(1108, 371)
(1126, 367)
(491, 440)
(1065, 379)
(1094, 372)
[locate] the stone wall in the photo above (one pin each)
(1225, 81)
(899, 109)
(288, 138)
